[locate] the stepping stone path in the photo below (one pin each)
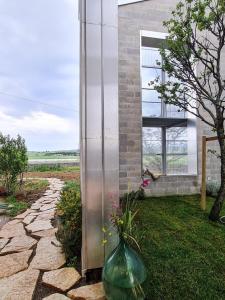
(30, 253)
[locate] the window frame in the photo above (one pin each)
(165, 122)
(125, 2)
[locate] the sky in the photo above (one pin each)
(39, 72)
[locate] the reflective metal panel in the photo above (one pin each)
(99, 125)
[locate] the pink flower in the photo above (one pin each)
(145, 182)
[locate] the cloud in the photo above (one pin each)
(37, 122)
(39, 59)
(41, 130)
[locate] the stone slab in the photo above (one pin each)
(3, 242)
(88, 292)
(28, 219)
(19, 244)
(39, 226)
(13, 222)
(36, 206)
(13, 263)
(46, 207)
(9, 230)
(23, 215)
(48, 256)
(62, 279)
(20, 286)
(46, 216)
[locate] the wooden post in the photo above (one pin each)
(203, 189)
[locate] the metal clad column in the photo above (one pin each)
(99, 124)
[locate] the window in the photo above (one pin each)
(168, 135)
(152, 149)
(151, 69)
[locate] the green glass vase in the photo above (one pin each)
(123, 274)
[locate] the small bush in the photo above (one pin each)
(69, 213)
(15, 207)
(212, 188)
(13, 161)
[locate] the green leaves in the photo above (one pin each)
(13, 161)
(69, 213)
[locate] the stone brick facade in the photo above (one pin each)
(147, 15)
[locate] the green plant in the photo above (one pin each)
(69, 213)
(134, 195)
(15, 207)
(122, 219)
(35, 185)
(13, 161)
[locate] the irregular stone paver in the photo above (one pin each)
(56, 297)
(88, 292)
(9, 230)
(13, 263)
(19, 244)
(23, 215)
(44, 233)
(62, 279)
(46, 216)
(20, 286)
(36, 206)
(28, 219)
(39, 225)
(47, 207)
(13, 222)
(48, 256)
(3, 242)
(34, 214)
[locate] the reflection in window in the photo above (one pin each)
(173, 111)
(148, 75)
(176, 151)
(151, 110)
(152, 149)
(151, 57)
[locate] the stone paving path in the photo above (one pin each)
(29, 250)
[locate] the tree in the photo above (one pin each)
(13, 161)
(192, 57)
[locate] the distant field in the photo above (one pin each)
(54, 155)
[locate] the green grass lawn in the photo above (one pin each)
(183, 251)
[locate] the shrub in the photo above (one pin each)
(69, 213)
(212, 188)
(15, 207)
(13, 161)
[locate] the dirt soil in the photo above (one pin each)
(60, 175)
(27, 196)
